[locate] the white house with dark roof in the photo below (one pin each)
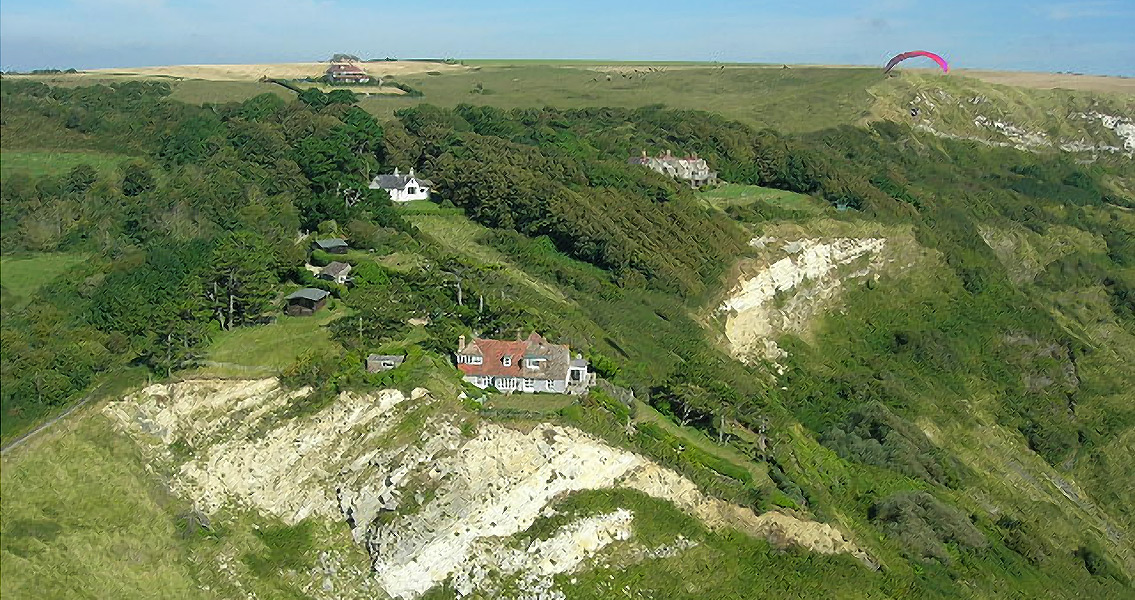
(403, 187)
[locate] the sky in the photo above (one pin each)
(1092, 36)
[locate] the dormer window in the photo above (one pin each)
(533, 363)
(507, 361)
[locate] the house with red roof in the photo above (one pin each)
(529, 365)
(345, 72)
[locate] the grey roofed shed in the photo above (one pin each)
(384, 362)
(312, 294)
(331, 243)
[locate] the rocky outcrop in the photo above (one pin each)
(445, 506)
(784, 295)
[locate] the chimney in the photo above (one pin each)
(411, 171)
(461, 343)
(396, 170)
(644, 153)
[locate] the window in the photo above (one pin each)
(411, 190)
(507, 361)
(475, 360)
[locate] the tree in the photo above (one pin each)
(81, 178)
(136, 178)
(242, 284)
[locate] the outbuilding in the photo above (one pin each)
(377, 363)
(331, 245)
(306, 302)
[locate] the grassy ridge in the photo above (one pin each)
(797, 99)
(39, 163)
(22, 276)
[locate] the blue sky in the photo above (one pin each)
(1094, 36)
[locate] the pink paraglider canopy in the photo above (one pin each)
(905, 55)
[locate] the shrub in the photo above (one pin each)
(1097, 563)
(874, 435)
(923, 525)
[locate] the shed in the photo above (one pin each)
(306, 302)
(377, 363)
(331, 245)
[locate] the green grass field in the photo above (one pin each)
(796, 99)
(85, 515)
(423, 207)
(83, 518)
(732, 194)
(544, 403)
(39, 163)
(263, 350)
(22, 276)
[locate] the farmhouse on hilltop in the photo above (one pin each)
(531, 365)
(403, 187)
(346, 72)
(691, 168)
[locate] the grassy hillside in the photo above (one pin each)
(22, 276)
(38, 164)
(85, 515)
(957, 403)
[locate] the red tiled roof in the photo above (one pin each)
(493, 351)
(340, 69)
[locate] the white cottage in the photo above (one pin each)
(403, 187)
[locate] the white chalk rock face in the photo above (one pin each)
(786, 294)
(445, 508)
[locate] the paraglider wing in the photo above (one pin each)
(905, 55)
